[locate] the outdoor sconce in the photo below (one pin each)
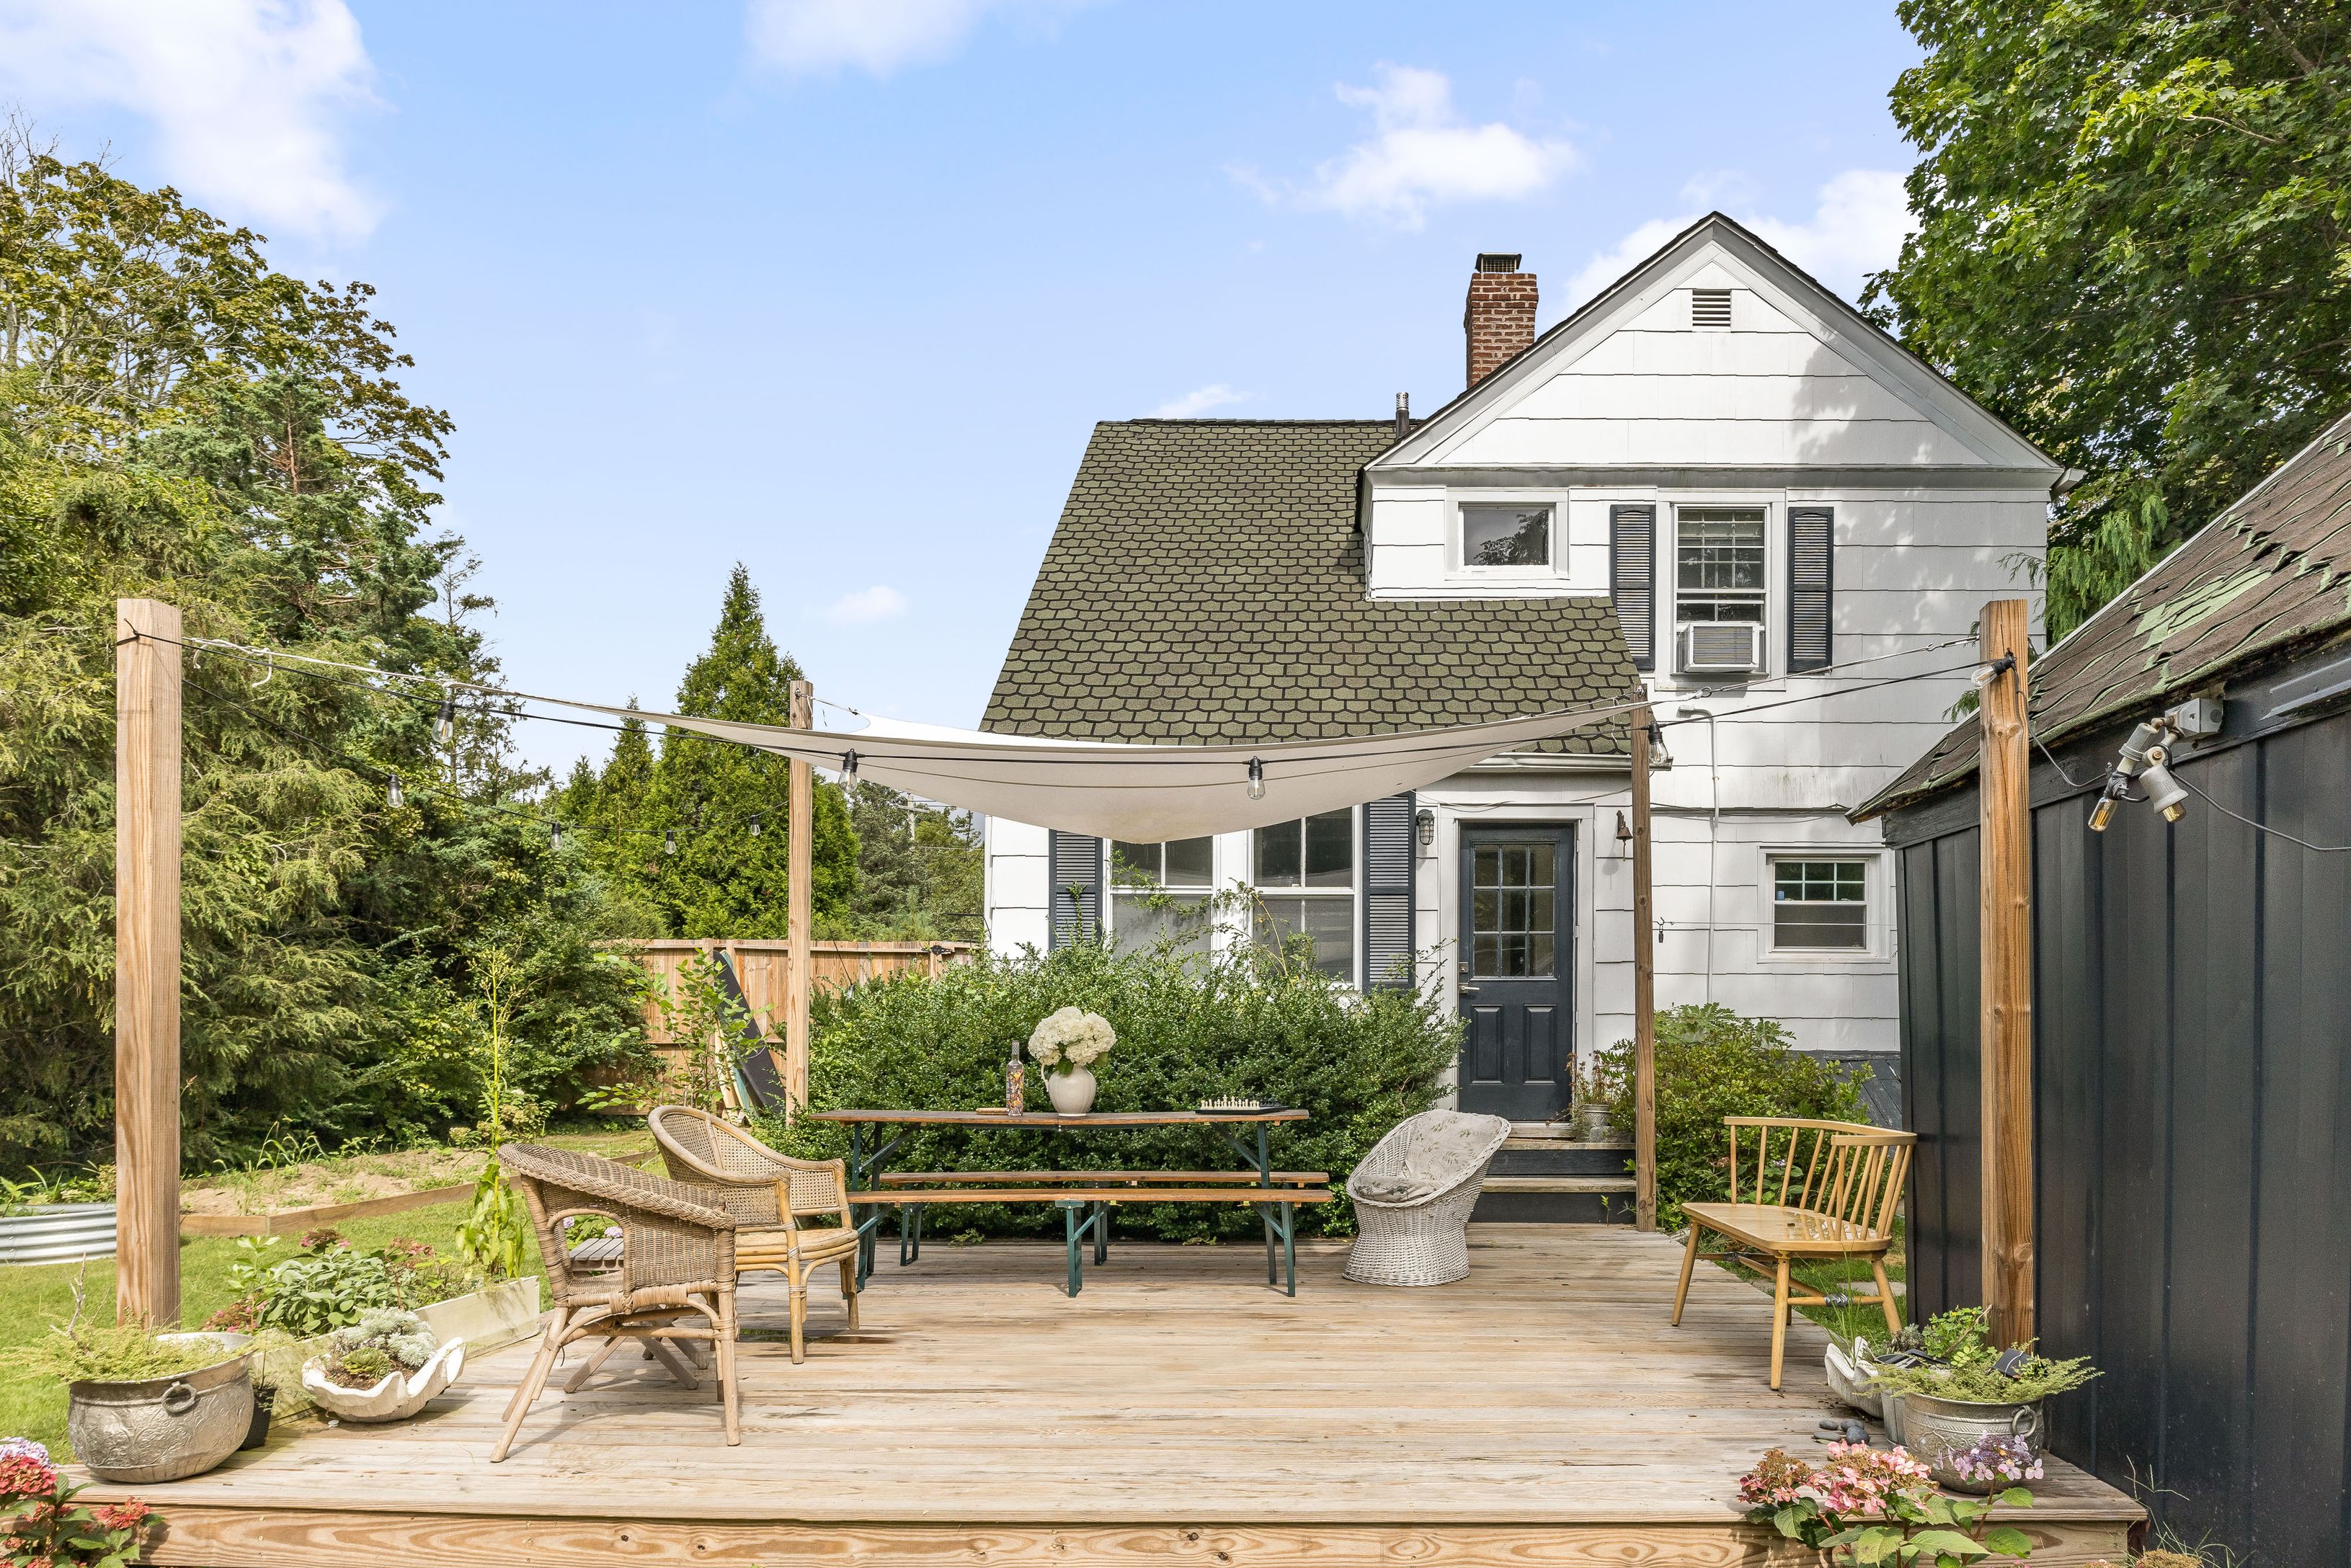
(1423, 824)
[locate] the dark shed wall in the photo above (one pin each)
(2192, 1012)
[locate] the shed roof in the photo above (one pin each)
(1207, 584)
(2270, 574)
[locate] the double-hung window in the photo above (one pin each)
(1159, 892)
(1820, 904)
(1718, 562)
(1304, 873)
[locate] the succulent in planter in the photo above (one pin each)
(386, 1366)
(1956, 1394)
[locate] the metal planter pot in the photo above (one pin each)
(164, 1429)
(1937, 1431)
(58, 1233)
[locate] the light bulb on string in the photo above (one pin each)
(391, 796)
(1256, 779)
(445, 724)
(555, 836)
(754, 824)
(669, 841)
(848, 768)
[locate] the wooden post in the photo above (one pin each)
(801, 910)
(147, 961)
(2006, 1037)
(1645, 992)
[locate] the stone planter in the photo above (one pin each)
(58, 1233)
(486, 1319)
(164, 1429)
(400, 1395)
(1937, 1431)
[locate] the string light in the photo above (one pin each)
(445, 726)
(1256, 780)
(754, 824)
(849, 768)
(669, 841)
(391, 796)
(555, 836)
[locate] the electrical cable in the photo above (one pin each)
(2260, 827)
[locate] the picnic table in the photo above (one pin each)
(1084, 1196)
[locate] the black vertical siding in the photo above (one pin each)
(2192, 1013)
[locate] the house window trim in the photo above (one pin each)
(1114, 891)
(1667, 589)
(1353, 891)
(1457, 568)
(1878, 910)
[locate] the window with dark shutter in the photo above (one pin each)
(1632, 578)
(1812, 546)
(1074, 862)
(1388, 858)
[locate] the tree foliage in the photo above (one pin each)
(919, 873)
(178, 421)
(2134, 244)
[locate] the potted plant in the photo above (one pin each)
(1071, 1040)
(1872, 1506)
(1957, 1391)
(1591, 1088)
(386, 1367)
(41, 1523)
(143, 1406)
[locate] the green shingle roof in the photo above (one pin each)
(2268, 576)
(1207, 584)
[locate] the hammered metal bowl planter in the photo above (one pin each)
(1937, 1431)
(396, 1399)
(164, 1429)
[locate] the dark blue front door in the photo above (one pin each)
(1518, 930)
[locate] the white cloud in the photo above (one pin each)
(876, 37)
(244, 95)
(867, 605)
(1858, 223)
(1199, 401)
(1422, 154)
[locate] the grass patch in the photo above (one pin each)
(33, 1296)
(1840, 1276)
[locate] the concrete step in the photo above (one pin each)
(1556, 1199)
(1529, 1158)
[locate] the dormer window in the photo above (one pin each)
(1512, 536)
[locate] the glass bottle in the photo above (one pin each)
(1016, 1083)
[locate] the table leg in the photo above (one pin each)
(1101, 1234)
(1289, 1243)
(1070, 1206)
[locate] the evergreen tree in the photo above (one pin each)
(728, 806)
(918, 868)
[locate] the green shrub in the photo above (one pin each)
(1713, 1063)
(1250, 1023)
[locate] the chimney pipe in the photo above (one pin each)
(1404, 415)
(1500, 319)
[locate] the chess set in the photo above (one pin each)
(1240, 1104)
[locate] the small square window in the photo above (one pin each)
(1820, 904)
(1505, 535)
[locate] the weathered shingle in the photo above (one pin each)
(2270, 574)
(1207, 584)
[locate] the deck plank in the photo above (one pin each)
(1541, 1411)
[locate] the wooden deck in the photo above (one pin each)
(1178, 1412)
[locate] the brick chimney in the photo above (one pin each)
(1500, 319)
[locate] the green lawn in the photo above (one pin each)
(1841, 1276)
(33, 1296)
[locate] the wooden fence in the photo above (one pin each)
(763, 963)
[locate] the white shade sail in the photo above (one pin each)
(1141, 794)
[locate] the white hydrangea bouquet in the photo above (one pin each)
(1071, 1040)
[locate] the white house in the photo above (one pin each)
(1716, 481)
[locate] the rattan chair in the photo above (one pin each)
(1804, 1189)
(676, 1262)
(767, 1194)
(1421, 1237)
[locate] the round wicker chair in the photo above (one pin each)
(1412, 1194)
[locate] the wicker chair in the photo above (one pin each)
(677, 1262)
(1421, 1238)
(767, 1193)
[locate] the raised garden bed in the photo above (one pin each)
(486, 1319)
(56, 1233)
(290, 1199)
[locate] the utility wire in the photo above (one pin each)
(2260, 827)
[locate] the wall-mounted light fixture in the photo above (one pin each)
(1424, 824)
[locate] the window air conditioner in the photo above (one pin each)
(1719, 647)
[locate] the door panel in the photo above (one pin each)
(1516, 954)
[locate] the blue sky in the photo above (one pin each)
(839, 287)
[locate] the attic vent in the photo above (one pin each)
(1709, 307)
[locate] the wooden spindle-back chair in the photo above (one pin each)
(1803, 1188)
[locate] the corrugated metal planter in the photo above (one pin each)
(164, 1429)
(56, 1233)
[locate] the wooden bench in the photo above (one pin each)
(1091, 1194)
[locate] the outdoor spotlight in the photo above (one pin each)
(1423, 824)
(2163, 791)
(391, 796)
(2144, 742)
(1256, 780)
